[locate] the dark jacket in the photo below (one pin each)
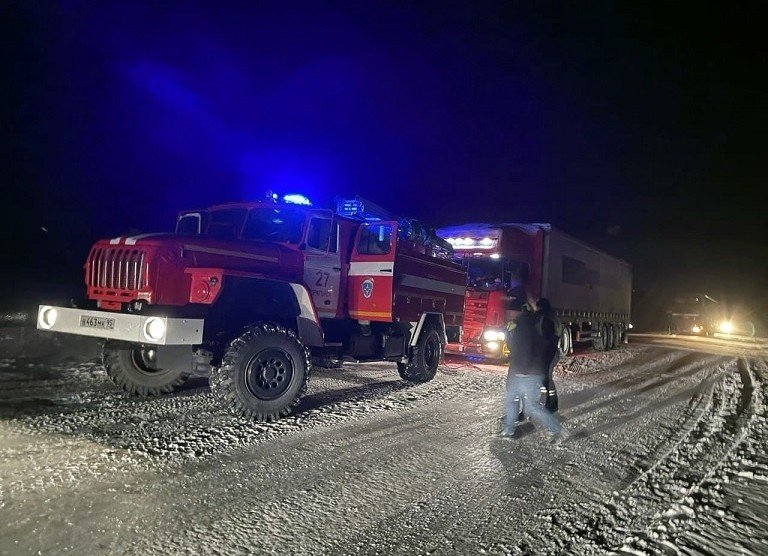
(548, 331)
(532, 345)
(523, 345)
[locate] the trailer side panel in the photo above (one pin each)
(581, 279)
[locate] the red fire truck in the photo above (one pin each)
(506, 263)
(253, 293)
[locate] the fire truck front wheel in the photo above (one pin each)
(132, 367)
(423, 362)
(263, 374)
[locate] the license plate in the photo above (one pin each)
(101, 323)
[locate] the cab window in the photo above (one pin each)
(322, 234)
(190, 223)
(375, 239)
(226, 223)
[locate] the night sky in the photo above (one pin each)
(639, 129)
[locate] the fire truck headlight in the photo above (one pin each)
(726, 327)
(48, 316)
(696, 329)
(154, 329)
(492, 346)
(493, 336)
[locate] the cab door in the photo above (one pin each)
(371, 272)
(322, 264)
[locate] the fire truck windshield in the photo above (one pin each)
(281, 225)
(225, 223)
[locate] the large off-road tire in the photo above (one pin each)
(425, 358)
(130, 366)
(263, 374)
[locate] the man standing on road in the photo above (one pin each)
(528, 368)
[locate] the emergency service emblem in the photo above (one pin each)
(367, 288)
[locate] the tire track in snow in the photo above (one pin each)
(654, 507)
(170, 431)
(592, 519)
(696, 461)
(404, 450)
(395, 470)
(477, 504)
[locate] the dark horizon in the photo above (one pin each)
(637, 129)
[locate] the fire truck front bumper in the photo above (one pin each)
(140, 329)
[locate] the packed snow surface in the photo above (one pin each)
(667, 456)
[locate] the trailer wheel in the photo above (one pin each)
(617, 333)
(426, 356)
(131, 367)
(263, 374)
(599, 337)
(565, 343)
(609, 337)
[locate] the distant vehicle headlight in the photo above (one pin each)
(726, 327)
(696, 329)
(494, 336)
(48, 316)
(154, 329)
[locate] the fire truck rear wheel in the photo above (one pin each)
(263, 374)
(426, 356)
(131, 367)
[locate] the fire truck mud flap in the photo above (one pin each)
(427, 347)
(307, 323)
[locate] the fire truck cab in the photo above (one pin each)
(253, 294)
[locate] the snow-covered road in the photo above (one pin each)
(669, 457)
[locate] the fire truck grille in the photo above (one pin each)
(117, 268)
